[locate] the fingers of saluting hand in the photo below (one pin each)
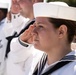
(26, 35)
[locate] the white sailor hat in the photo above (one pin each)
(4, 4)
(55, 10)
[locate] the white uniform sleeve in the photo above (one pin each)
(19, 52)
(19, 58)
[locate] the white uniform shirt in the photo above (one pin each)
(3, 44)
(8, 28)
(16, 25)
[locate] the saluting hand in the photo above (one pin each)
(26, 36)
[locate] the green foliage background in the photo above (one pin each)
(69, 2)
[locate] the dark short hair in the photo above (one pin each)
(71, 26)
(4, 11)
(41, 0)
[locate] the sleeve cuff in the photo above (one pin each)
(23, 43)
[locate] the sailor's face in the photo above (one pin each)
(25, 7)
(45, 35)
(15, 8)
